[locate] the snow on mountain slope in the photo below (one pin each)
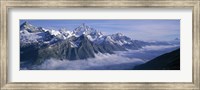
(29, 34)
(28, 27)
(32, 34)
(27, 37)
(117, 38)
(91, 33)
(66, 33)
(121, 39)
(54, 32)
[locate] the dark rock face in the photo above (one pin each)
(63, 50)
(29, 52)
(168, 61)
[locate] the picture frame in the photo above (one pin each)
(4, 43)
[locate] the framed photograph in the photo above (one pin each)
(104, 44)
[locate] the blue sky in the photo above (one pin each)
(135, 29)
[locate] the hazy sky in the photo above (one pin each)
(135, 29)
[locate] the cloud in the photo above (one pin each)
(148, 52)
(100, 62)
(122, 60)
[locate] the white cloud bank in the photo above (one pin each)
(100, 62)
(122, 60)
(148, 52)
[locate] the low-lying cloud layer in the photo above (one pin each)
(122, 60)
(101, 61)
(148, 52)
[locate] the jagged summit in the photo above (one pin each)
(26, 22)
(90, 32)
(119, 34)
(84, 29)
(25, 25)
(30, 33)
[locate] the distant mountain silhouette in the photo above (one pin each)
(168, 61)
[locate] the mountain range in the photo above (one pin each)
(38, 44)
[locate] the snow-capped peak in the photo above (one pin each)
(120, 39)
(25, 25)
(119, 34)
(54, 32)
(34, 34)
(90, 32)
(66, 33)
(83, 29)
(30, 28)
